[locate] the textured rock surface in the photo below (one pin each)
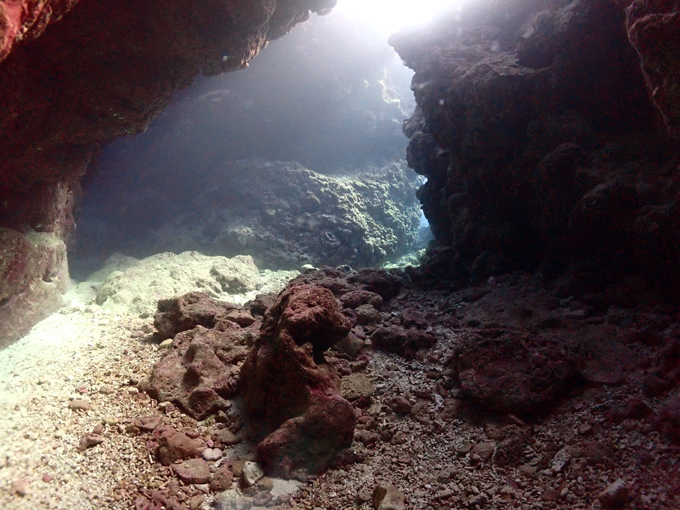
(165, 275)
(188, 311)
(654, 31)
(285, 215)
(33, 277)
(200, 371)
(291, 391)
(104, 71)
(539, 141)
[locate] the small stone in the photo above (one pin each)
(148, 423)
(47, 478)
(193, 471)
(20, 487)
(89, 440)
(110, 420)
(443, 494)
(166, 344)
(196, 502)
(221, 479)
(212, 454)
(355, 386)
(560, 459)
(615, 496)
(400, 405)
(79, 405)
(265, 484)
(484, 449)
(387, 497)
(364, 496)
(227, 437)
(550, 494)
(137, 334)
(106, 390)
(586, 430)
(307, 268)
(252, 472)
(98, 430)
(237, 468)
(240, 317)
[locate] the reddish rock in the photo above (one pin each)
(288, 387)
(356, 298)
(199, 373)
(193, 471)
(405, 342)
(222, 479)
(148, 423)
(174, 446)
(653, 29)
(188, 311)
(89, 440)
(240, 317)
(513, 372)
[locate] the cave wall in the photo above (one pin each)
(102, 70)
(547, 139)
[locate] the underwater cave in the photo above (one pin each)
(339, 254)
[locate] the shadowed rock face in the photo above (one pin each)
(103, 71)
(540, 144)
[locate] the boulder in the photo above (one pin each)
(183, 313)
(289, 389)
(515, 372)
(199, 373)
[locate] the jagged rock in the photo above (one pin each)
(653, 30)
(287, 386)
(356, 298)
(199, 373)
(513, 372)
(183, 313)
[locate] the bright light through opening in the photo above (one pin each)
(388, 16)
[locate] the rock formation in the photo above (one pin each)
(289, 389)
(285, 216)
(540, 144)
(104, 70)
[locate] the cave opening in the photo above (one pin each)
(329, 97)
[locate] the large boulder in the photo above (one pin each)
(200, 372)
(163, 276)
(289, 389)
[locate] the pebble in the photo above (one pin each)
(387, 497)
(212, 454)
(193, 471)
(79, 405)
(147, 423)
(137, 334)
(89, 440)
(20, 487)
(252, 472)
(615, 495)
(166, 344)
(47, 478)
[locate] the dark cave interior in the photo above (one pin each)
(542, 322)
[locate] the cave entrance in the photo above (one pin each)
(298, 159)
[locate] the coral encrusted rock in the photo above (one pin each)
(289, 389)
